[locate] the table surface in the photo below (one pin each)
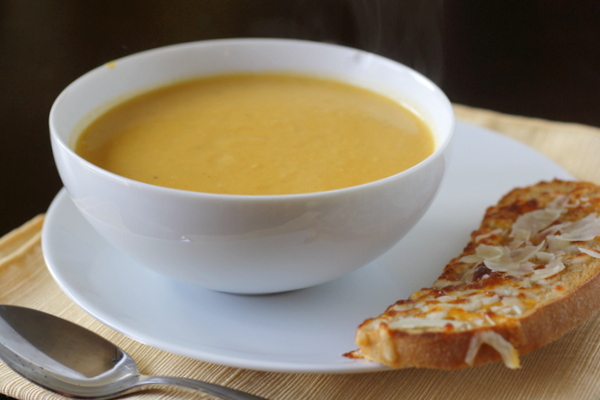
(568, 368)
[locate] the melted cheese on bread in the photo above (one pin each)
(535, 249)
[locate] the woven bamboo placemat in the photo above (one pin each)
(566, 369)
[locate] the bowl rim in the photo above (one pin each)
(438, 151)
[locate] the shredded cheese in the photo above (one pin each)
(504, 275)
(509, 354)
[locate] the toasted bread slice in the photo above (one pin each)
(529, 274)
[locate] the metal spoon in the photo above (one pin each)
(72, 361)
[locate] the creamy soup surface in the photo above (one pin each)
(257, 134)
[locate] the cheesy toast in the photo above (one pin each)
(528, 275)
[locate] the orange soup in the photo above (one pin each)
(257, 134)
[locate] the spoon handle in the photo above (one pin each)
(217, 391)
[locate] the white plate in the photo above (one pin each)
(302, 331)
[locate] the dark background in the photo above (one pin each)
(534, 58)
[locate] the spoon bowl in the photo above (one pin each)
(72, 361)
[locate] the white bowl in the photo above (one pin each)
(249, 244)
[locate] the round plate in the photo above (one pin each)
(302, 331)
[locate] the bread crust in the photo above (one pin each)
(567, 299)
